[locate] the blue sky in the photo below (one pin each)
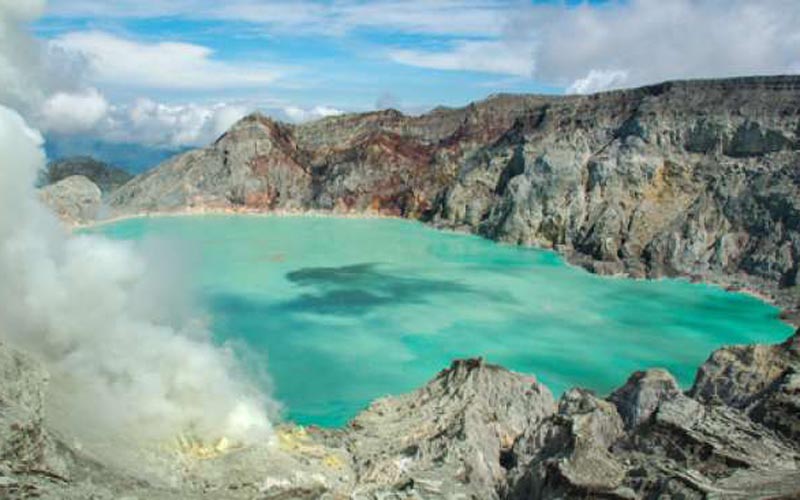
(171, 74)
(351, 66)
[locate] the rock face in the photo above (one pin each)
(692, 178)
(34, 464)
(762, 381)
(105, 176)
(474, 431)
(450, 439)
(75, 199)
(649, 440)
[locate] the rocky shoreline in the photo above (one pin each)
(766, 292)
(475, 431)
(691, 178)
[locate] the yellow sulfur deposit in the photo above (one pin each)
(296, 440)
(196, 448)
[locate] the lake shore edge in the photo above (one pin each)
(765, 292)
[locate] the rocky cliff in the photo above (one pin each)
(694, 178)
(475, 431)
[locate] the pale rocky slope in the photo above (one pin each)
(476, 431)
(74, 187)
(698, 178)
(75, 199)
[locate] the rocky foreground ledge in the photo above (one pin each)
(475, 431)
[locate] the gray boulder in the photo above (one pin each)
(75, 200)
(642, 394)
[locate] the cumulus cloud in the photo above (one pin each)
(645, 41)
(591, 47)
(114, 60)
(78, 112)
(580, 47)
(163, 125)
(49, 83)
(43, 83)
(143, 122)
(24, 74)
(503, 57)
(298, 114)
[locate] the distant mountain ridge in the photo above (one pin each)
(693, 178)
(131, 157)
(105, 176)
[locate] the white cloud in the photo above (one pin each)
(224, 117)
(68, 113)
(652, 40)
(567, 45)
(598, 80)
(44, 84)
(297, 114)
(444, 17)
(22, 10)
(160, 125)
(488, 57)
(117, 61)
(24, 76)
(592, 47)
(163, 125)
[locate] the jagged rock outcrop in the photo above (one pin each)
(34, 463)
(694, 178)
(474, 431)
(75, 199)
(649, 440)
(105, 176)
(763, 381)
(569, 455)
(642, 394)
(450, 439)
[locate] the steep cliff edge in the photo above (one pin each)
(694, 178)
(474, 431)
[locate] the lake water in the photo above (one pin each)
(341, 311)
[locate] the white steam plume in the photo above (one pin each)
(85, 306)
(126, 369)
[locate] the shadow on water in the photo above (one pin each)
(355, 290)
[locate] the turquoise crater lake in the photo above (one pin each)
(342, 311)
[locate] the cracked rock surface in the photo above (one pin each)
(475, 431)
